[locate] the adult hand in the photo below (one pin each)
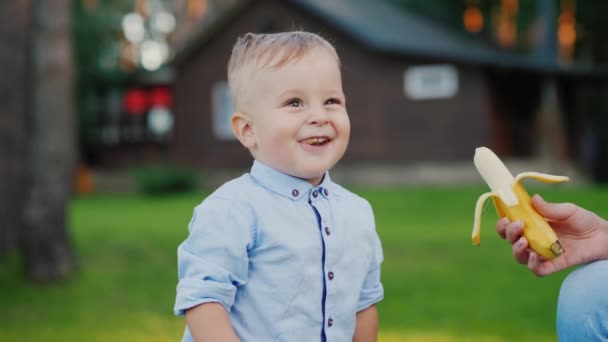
(583, 234)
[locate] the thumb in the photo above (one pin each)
(553, 211)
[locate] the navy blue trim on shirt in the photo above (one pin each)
(323, 336)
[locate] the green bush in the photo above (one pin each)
(161, 179)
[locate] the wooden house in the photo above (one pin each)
(416, 91)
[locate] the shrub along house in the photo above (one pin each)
(416, 92)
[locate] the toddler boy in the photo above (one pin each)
(282, 253)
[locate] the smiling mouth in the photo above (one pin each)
(316, 141)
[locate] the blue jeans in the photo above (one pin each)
(582, 309)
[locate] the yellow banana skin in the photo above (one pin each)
(541, 237)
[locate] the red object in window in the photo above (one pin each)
(160, 96)
(135, 102)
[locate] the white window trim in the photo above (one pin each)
(221, 111)
(445, 76)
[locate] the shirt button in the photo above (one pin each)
(330, 322)
(315, 194)
(295, 192)
(325, 192)
(330, 275)
(327, 231)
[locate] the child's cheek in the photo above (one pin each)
(276, 147)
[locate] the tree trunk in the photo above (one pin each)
(552, 143)
(14, 34)
(551, 132)
(44, 242)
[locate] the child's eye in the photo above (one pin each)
(294, 103)
(333, 101)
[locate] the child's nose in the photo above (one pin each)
(318, 116)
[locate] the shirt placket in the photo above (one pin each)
(320, 203)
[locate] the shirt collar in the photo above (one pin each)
(284, 184)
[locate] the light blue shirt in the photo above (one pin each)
(289, 261)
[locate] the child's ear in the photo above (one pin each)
(243, 130)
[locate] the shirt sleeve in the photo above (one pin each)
(213, 260)
(372, 290)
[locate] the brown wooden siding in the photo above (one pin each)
(386, 125)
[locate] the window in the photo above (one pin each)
(221, 111)
(431, 82)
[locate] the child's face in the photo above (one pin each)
(298, 116)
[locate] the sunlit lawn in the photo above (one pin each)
(438, 286)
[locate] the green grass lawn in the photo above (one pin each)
(438, 286)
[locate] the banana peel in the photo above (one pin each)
(511, 200)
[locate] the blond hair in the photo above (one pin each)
(253, 52)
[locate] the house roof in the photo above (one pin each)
(384, 28)
(381, 27)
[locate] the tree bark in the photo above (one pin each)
(551, 132)
(552, 145)
(14, 34)
(44, 241)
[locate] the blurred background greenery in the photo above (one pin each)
(97, 187)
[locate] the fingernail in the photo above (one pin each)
(520, 242)
(504, 220)
(532, 257)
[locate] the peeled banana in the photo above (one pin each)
(511, 200)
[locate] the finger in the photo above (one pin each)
(539, 266)
(553, 211)
(513, 231)
(534, 263)
(520, 250)
(501, 225)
